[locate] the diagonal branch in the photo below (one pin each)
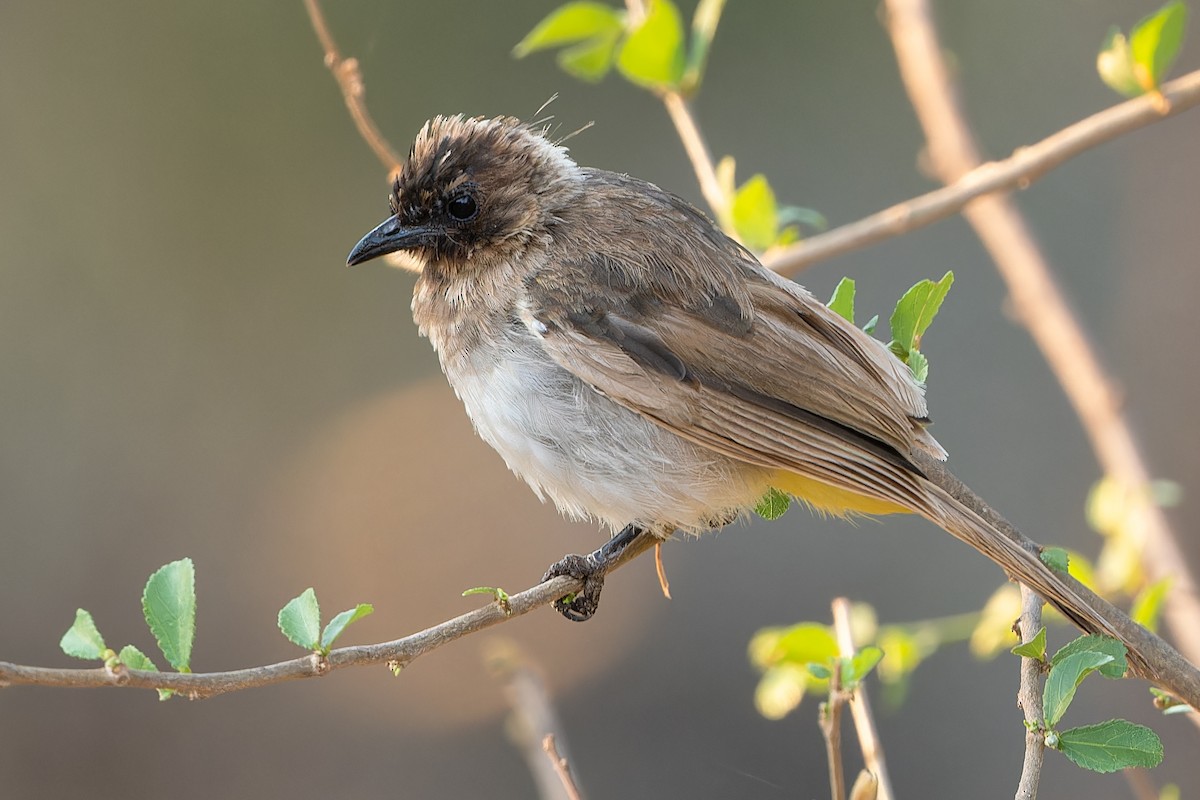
(1017, 171)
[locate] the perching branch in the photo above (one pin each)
(1038, 301)
(1029, 698)
(830, 720)
(1017, 171)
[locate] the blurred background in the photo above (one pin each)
(186, 368)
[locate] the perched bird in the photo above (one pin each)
(638, 367)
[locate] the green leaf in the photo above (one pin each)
(819, 671)
(842, 302)
(806, 642)
(169, 605)
(590, 60)
(1095, 643)
(918, 364)
(1110, 746)
(755, 214)
(1155, 41)
(861, 664)
(338, 624)
(704, 28)
(300, 620)
(1064, 679)
(1056, 559)
(133, 658)
(869, 328)
(798, 215)
(916, 310)
(1148, 604)
(652, 55)
(1114, 62)
(82, 639)
(773, 505)
(571, 23)
(1035, 648)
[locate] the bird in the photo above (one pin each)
(638, 367)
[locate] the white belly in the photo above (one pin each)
(594, 458)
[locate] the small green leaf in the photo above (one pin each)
(591, 60)
(1155, 41)
(704, 28)
(133, 658)
(339, 623)
(1114, 62)
(869, 328)
(1056, 559)
(918, 364)
(798, 215)
(1095, 643)
(755, 214)
(842, 302)
(652, 55)
(819, 671)
(1065, 678)
(169, 606)
(1148, 604)
(861, 664)
(773, 505)
(916, 310)
(495, 591)
(82, 639)
(1035, 648)
(1110, 746)
(300, 620)
(573, 22)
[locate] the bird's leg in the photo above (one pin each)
(591, 569)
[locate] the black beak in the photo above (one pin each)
(388, 237)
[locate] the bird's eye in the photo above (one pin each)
(462, 207)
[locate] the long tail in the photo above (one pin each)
(954, 507)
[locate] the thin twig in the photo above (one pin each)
(349, 79)
(1029, 698)
(1040, 304)
(689, 134)
(1024, 166)
(534, 718)
(830, 720)
(697, 151)
(860, 705)
(396, 654)
(562, 768)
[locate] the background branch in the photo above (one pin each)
(1017, 171)
(1041, 306)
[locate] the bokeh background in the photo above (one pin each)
(186, 368)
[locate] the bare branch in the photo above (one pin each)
(1029, 698)
(830, 720)
(349, 79)
(860, 706)
(1016, 172)
(698, 153)
(1038, 301)
(562, 767)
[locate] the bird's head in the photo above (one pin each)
(472, 191)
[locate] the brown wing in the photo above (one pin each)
(791, 385)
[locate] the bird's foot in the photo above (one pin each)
(590, 570)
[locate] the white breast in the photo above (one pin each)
(594, 458)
